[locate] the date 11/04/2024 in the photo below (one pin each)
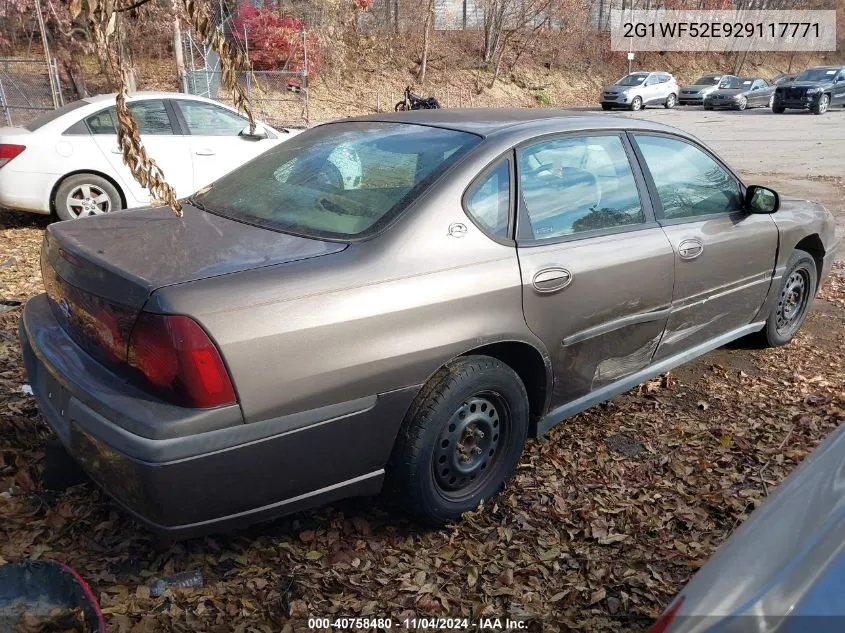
(417, 624)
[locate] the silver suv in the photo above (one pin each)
(637, 90)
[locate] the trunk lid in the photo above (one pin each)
(99, 272)
(125, 256)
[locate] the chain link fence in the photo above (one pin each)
(278, 97)
(28, 88)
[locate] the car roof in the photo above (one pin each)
(489, 121)
(146, 94)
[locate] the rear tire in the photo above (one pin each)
(606, 107)
(778, 109)
(795, 297)
(83, 195)
(461, 440)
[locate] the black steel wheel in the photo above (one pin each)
(793, 301)
(468, 449)
(461, 440)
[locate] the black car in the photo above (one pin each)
(815, 89)
(739, 93)
(780, 79)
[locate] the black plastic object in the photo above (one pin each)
(39, 588)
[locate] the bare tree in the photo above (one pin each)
(507, 22)
(429, 18)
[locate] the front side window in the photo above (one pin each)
(577, 184)
(689, 182)
(205, 119)
(488, 202)
(338, 181)
(151, 116)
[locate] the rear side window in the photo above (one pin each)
(574, 185)
(151, 116)
(689, 182)
(488, 202)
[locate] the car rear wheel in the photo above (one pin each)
(636, 104)
(671, 101)
(82, 195)
(461, 440)
(821, 106)
(778, 109)
(606, 106)
(795, 296)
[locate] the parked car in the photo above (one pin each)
(783, 78)
(694, 94)
(68, 163)
(739, 93)
(815, 89)
(641, 89)
(783, 570)
(292, 340)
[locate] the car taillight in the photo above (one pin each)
(665, 621)
(8, 152)
(178, 360)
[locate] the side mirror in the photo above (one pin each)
(257, 134)
(761, 199)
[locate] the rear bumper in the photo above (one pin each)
(207, 471)
(26, 191)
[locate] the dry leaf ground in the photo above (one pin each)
(606, 519)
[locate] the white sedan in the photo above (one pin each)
(68, 162)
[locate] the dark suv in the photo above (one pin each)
(815, 89)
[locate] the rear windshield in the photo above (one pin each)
(52, 115)
(337, 181)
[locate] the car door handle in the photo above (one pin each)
(551, 279)
(690, 249)
(205, 152)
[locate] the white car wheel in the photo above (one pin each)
(84, 195)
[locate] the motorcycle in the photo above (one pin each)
(413, 101)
